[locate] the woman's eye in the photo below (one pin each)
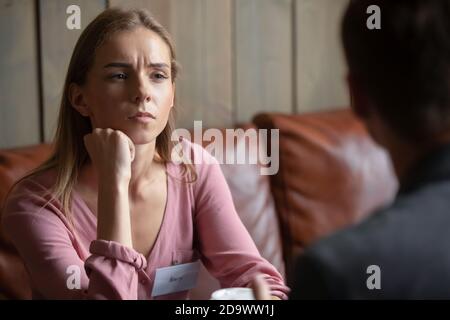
(159, 76)
(120, 76)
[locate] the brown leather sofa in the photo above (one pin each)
(331, 174)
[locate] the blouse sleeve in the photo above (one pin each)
(228, 251)
(46, 244)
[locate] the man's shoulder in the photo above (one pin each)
(408, 217)
(399, 241)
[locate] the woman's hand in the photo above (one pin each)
(111, 152)
(260, 288)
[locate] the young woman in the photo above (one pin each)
(110, 210)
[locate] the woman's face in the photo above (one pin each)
(129, 86)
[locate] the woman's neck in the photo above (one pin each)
(143, 164)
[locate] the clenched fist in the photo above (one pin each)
(111, 152)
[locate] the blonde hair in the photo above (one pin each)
(69, 153)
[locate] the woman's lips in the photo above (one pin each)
(142, 117)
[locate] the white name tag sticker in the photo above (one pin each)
(176, 278)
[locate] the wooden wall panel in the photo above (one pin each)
(57, 43)
(202, 31)
(238, 58)
(320, 62)
(263, 57)
(19, 95)
(218, 102)
(160, 9)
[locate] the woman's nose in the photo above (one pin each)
(142, 93)
(142, 98)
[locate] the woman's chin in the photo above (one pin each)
(140, 139)
(141, 135)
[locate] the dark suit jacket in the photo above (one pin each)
(409, 241)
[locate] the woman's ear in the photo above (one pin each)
(173, 96)
(77, 100)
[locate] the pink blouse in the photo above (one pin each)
(200, 222)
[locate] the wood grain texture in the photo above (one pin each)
(57, 43)
(19, 95)
(202, 32)
(263, 57)
(160, 9)
(320, 62)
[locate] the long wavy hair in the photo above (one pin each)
(69, 153)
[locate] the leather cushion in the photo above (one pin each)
(331, 175)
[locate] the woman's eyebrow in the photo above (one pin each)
(159, 65)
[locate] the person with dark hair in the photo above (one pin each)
(399, 79)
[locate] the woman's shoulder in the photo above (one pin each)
(31, 206)
(30, 191)
(43, 180)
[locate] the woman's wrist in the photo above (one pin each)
(114, 212)
(119, 181)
